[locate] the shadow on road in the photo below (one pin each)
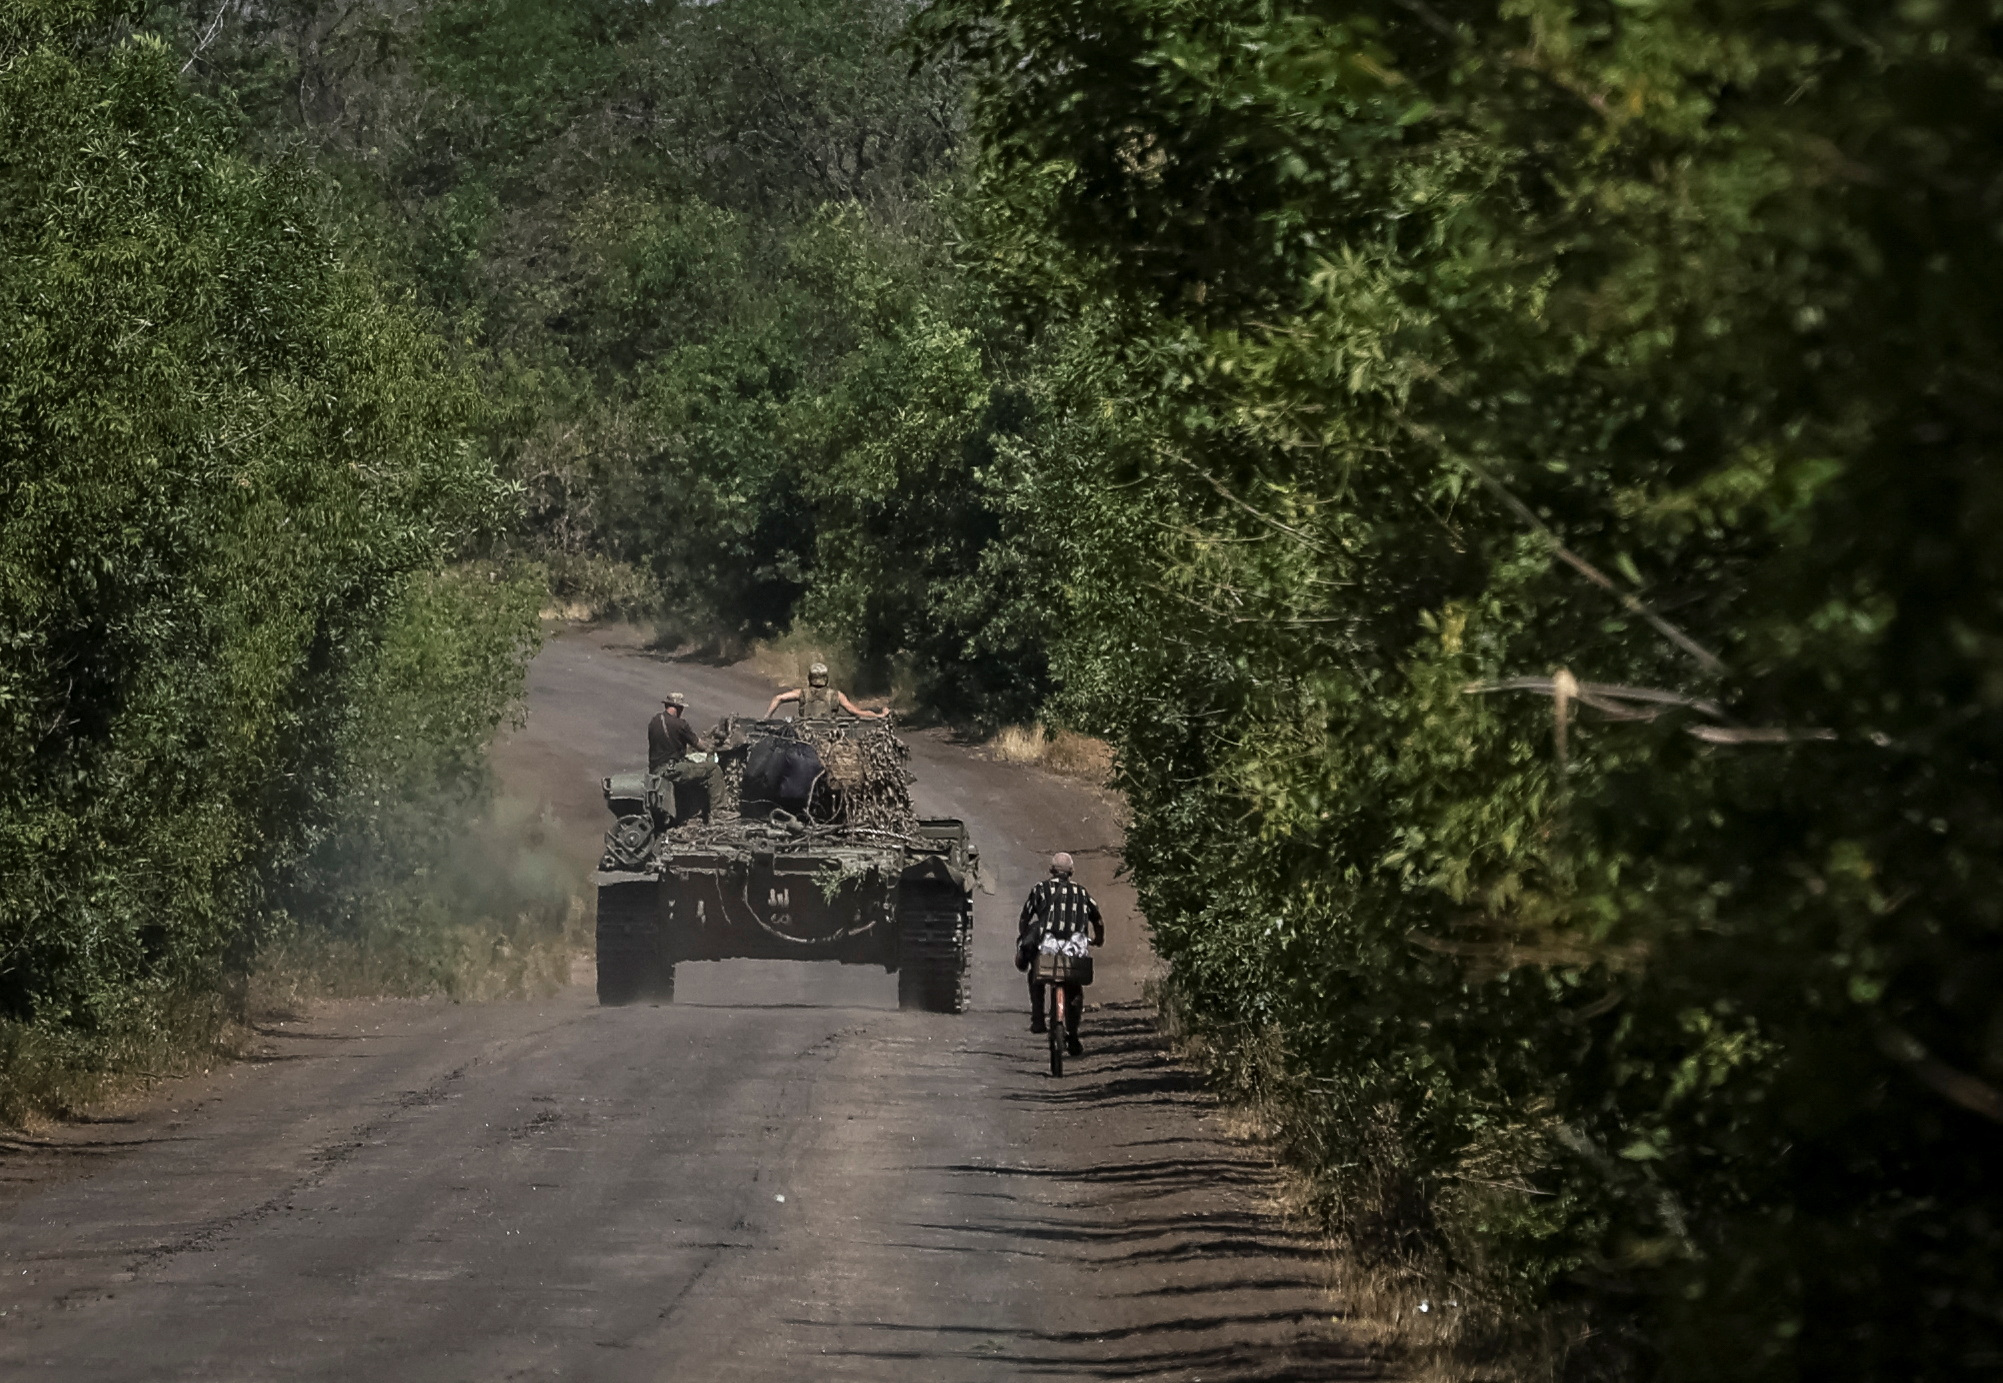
(1240, 1292)
(1146, 1351)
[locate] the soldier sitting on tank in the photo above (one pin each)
(676, 757)
(819, 701)
(1058, 915)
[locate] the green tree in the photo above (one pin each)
(1647, 344)
(227, 465)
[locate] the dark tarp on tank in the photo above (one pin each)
(778, 773)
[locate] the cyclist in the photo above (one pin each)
(1058, 915)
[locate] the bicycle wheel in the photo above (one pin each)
(1056, 1029)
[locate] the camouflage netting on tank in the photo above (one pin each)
(861, 786)
(863, 769)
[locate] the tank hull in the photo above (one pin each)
(904, 906)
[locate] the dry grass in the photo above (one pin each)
(583, 589)
(784, 661)
(498, 913)
(49, 1074)
(1072, 755)
(473, 963)
(1019, 744)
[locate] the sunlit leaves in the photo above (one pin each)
(225, 458)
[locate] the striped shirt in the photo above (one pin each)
(1058, 907)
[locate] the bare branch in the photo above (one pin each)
(209, 34)
(1710, 661)
(1564, 691)
(1756, 734)
(1510, 954)
(1607, 697)
(1972, 1094)
(1304, 539)
(1607, 691)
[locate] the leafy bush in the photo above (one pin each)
(230, 469)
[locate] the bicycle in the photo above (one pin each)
(1060, 972)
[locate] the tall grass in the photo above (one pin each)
(497, 912)
(51, 1071)
(1058, 751)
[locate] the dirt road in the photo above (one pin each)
(777, 1177)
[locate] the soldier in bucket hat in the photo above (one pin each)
(675, 753)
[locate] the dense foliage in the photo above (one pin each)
(1549, 614)
(231, 471)
(1512, 479)
(704, 254)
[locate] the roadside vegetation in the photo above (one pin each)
(1536, 566)
(1513, 485)
(255, 638)
(1063, 752)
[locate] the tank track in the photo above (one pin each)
(630, 968)
(935, 924)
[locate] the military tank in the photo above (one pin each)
(812, 851)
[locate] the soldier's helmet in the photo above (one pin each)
(817, 675)
(674, 699)
(1060, 863)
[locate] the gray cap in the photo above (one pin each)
(1060, 863)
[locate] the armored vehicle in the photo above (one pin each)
(811, 852)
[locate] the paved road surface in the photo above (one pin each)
(777, 1177)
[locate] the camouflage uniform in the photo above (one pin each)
(819, 703)
(676, 762)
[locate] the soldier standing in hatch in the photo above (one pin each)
(819, 701)
(675, 753)
(1057, 913)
